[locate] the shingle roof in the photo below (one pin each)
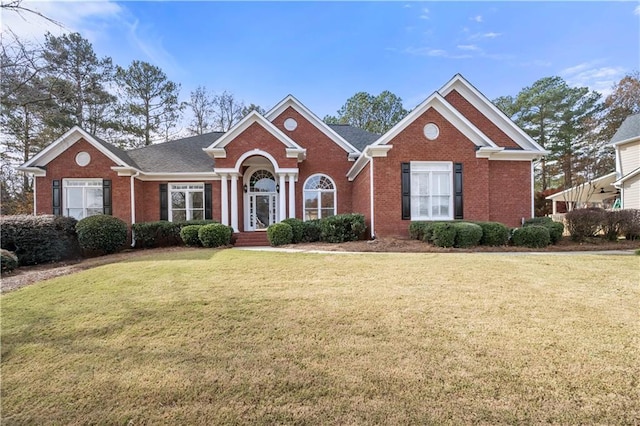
(630, 128)
(357, 137)
(181, 155)
(121, 154)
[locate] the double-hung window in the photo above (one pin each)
(82, 197)
(186, 201)
(319, 197)
(431, 190)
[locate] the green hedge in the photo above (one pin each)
(533, 236)
(189, 235)
(102, 234)
(297, 226)
(467, 234)
(342, 227)
(215, 235)
(443, 234)
(280, 234)
(162, 233)
(39, 239)
(493, 234)
(8, 261)
(556, 229)
(311, 231)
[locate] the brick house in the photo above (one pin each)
(455, 156)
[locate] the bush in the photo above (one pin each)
(584, 223)
(161, 233)
(467, 234)
(215, 235)
(417, 230)
(311, 231)
(556, 229)
(8, 261)
(189, 235)
(493, 234)
(342, 227)
(101, 233)
(533, 236)
(443, 234)
(298, 229)
(630, 223)
(39, 239)
(540, 221)
(280, 234)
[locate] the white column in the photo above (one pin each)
(282, 210)
(292, 196)
(555, 207)
(234, 202)
(224, 200)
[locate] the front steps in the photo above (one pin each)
(251, 239)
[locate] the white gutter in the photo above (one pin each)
(371, 203)
(133, 207)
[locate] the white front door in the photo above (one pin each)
(261, 201)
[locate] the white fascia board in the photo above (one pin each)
(65, 141)
(35, 171)
(626, 177)
(626, 141)
(251, 118)
(357, 167)
(440, 104)
(291, 101)
(594, 183)
(378, 150)
(299, 153)
(179, 176)
(501, 154)
(493, 113)
(216, 152)
(125, 171)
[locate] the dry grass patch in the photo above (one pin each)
(230, 337)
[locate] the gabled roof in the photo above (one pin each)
(216, 149)
(493, 113)
(179, 156)
(72, 136)
(291, 101)
(355, 136)
(586, 191)
(628, 131)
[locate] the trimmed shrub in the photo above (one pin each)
(540, 221)
(101, 233)
(584, 223)
(443, 234)
(298, 229)
(8, 261)
(189, 235)
(467, 234)
(161, 233)
(342, 227)
(215, 235)
(311, 231)
(556, 229)
(493, 234)
(417, 230)
(630, 223)
(534, 236)
(280, 234)
(39, 239)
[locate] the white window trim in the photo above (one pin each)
(415, 167)
(188, 191)
(319, 208)
(65, 186)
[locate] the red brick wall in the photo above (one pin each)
(148, 199)
(361, 196)
(64, 166)
(472, 114)
(411, 145)
(510, 196)
(323, 156)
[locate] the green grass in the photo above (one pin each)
(237, 337)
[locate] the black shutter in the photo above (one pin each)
(457, 186)
(106, 197)
(56, 197)
(164, 202)
(406, 190)
(207, 201)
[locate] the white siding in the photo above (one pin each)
(629, 157)
(631, 193)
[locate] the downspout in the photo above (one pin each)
(133, 208)
(371, 203)
(533, 190)
(35, 198)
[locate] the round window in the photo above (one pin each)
(290, 124)
(431, 131)
(83, 159)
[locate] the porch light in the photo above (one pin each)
(277, 187)
(245, 188)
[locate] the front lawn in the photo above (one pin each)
(239, 337)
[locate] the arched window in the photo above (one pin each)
(319, 197)
(262, 181)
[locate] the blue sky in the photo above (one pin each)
(324, 52)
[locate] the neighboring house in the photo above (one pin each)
(622, 185)
(455, 156)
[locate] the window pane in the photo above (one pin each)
(197, 200)
(94, 197)
(74, 198)
(326, 212)
(77, 213)
(442, 183)
(312, 183)
(310, 214)
(420, 183)
(178, 200)
(310, 199)
(440, 206)
(92, 212)
(178, 215)
(326, 201)
(197, 215)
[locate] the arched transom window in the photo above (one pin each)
(262, 181)
(319, 197)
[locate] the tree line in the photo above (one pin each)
(45, 90)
